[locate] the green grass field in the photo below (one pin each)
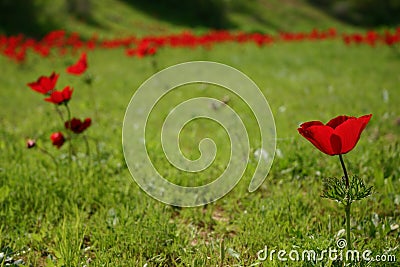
(92, 213)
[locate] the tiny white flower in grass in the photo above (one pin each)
(394, 227)
(112, 212)
(375, 219)
(260, 152)
(385, 116)
(385, 95)
(18, 262)
(397, 200)
(233, 253)
(279, 153)
(282, 109)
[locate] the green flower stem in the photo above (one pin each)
(87, 150)
(347, 204)
(69, 114)
(69, 133)
(344, 171)
(348, 237)
(60, 114)
(154, 64)
(88, 80)
(95, 143)
(87, 145)
(47, 153)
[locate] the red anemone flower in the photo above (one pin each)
(57, 139)
(339, 136)
(60, 97)
(79, 67)
(44, 85)
(77, 126)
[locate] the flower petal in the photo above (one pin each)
(320, 137)
(44, 84)
(335, 122)
(79, 67)
(336, 144)
(305, 125)
(350, 132)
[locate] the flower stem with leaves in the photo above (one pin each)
(346, 191)
(347, 204)
(337, 137)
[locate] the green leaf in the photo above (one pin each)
(335, 189)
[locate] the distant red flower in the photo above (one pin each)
(79, 67)
(30, 143)
(44, 85)
(20, 56)
(55, 37)
(60, 97)
(371, 38)
(391, 39)
(143, 49)
(78, 126)
(339, 136)
(57, 139)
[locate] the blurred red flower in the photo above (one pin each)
(44, 85)
(339, 136)
(143, 49)
(77, 126)
(79, 67)
(60, 97)
(57, 139)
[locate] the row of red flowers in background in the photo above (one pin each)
(16, 47)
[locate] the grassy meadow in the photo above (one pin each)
(91, 212)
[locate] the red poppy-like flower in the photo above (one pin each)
(57, 139)
(30, 143)
(79, 67)
(339, 136)
(78, 126)
(60, 97)
(44, 85)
